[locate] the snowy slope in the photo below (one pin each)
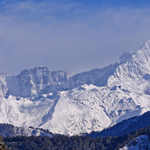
(89, 101)
(139, 143)
(125, 126)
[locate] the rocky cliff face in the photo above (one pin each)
(33, 82)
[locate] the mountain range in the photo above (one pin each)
(86, 102)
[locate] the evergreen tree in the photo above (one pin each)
(2, 144)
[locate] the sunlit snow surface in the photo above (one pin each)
(139, 143)
(89, 101)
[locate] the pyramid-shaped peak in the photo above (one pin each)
(125, 57)
(146, 45)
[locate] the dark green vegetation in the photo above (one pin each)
(2, 145)
(60, 142)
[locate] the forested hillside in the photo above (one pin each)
(61, 142)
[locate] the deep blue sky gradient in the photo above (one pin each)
(70, 35)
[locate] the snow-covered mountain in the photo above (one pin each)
(88, 101)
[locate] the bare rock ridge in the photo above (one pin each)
(39, 80)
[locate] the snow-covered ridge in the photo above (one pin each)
(88, 101)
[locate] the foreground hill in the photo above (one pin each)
(12, 131)
(86, 102)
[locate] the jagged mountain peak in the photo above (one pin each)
(132, 65)
(39, 70)
(36, 81)
(146, 45)
(34, 70)
(127, 56)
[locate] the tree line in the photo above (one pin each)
(62, 142)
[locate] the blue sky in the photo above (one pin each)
(73, 35)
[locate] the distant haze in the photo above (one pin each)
(73, 36)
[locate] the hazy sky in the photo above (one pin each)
(70, 35)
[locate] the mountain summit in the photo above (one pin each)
(85, 102)
(36, 81)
